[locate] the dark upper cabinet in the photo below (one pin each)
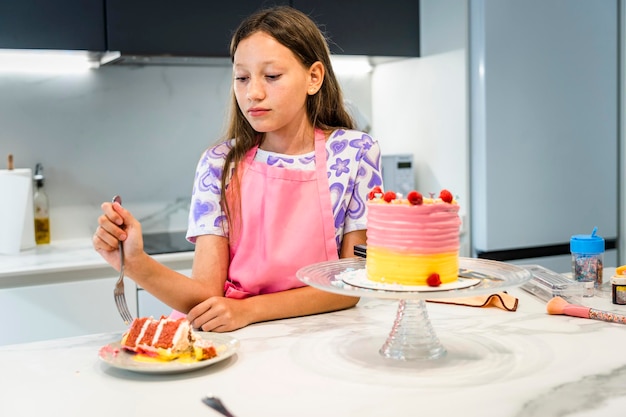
(183, 27)
(199, 27)
(47, 24)
(204, 28)
(367, 27)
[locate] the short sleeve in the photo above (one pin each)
(354, 168)
(368, 175)
(206, 216)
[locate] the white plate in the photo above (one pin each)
(358, 278)
(115, 356)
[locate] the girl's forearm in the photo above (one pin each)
(171, 287)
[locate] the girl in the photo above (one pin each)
(285, 190)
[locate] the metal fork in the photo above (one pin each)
(118, 291)
(216, 404)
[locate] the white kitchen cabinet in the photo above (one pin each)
(544, 127)
(148, 305)
(64, 289)
(64, 309)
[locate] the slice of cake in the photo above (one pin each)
(413, 240)
(166, 339)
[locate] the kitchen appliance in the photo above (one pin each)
(166, 242)
(17, 230)
(544, 117)
(398, 173)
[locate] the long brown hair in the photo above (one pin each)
(325, 109)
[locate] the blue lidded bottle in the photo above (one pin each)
(587, 260)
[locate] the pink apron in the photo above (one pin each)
(287, 223)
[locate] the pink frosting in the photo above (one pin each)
(427, 228)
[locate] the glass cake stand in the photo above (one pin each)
(412, 336)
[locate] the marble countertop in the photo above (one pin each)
(499, 363)
(65, 260)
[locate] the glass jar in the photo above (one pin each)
(618, 289)
(587, 260)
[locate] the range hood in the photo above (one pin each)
(171, 60)
(349, 64)
(46, 59)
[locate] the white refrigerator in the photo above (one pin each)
(544, 127)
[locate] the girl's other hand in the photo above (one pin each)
(218, 314)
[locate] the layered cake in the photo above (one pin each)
(166, 339)
(412, 240)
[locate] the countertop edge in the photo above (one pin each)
(69, 261)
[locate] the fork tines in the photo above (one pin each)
(122, 307)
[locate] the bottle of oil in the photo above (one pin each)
(40, 204)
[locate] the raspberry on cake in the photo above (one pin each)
(166, 339)
(414, 238)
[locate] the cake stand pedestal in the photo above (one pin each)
(412, 336)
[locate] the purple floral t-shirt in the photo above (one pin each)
(352, 163)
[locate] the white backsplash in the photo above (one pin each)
(420, 108)
(133, 131)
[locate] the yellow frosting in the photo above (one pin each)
(391, 267)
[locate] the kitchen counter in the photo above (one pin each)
(66, 261)
(499, 363)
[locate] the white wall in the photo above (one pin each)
(137, 132)
(133, 131)
(419, 107)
